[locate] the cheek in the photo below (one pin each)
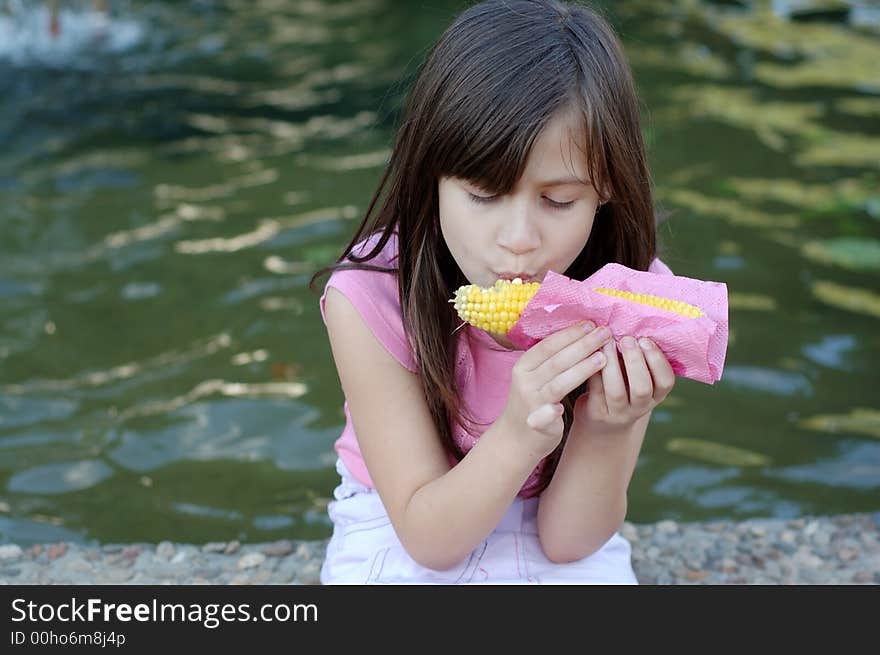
(459, 231)
(571, 241)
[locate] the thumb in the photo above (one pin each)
(544, 416)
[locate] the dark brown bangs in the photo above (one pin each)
(494, 159)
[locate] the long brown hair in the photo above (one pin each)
(493, 80)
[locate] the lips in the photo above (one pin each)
(507, 275)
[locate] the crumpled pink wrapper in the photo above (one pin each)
(695, 347)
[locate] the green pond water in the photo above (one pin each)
(172, 175)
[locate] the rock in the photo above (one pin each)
(209, 573)
(118, 575)
(165, 550)
(214, 547)
(667, 527)
(628, 531)
(311, 573)
(250, 560)
(278, 548)
(863, 577)
(232, 547)
(10, 551)
(131, 553)
(57, 550)
(847, 554)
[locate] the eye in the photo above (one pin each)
(482, 199)
(553, 204)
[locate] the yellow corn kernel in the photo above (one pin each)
(677, 306)
(494, 309)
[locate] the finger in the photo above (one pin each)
(567, 381)
(596, 390)
(543, 417)
(661, 369)
(549, 346)
(570, 355)
(612, 378)
(641, 386)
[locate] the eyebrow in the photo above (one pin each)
(564, 180)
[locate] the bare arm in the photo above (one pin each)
(587, 500)
(441, 514)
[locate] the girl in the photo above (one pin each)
(462, 459)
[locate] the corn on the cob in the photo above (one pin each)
(494, 309)
(677, 306)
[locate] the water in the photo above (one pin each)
(172, 174)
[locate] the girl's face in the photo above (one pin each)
(541, 225)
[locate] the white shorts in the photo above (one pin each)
(364, 549)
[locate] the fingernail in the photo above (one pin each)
(646, 344)
(604, 333)
(598, 357)
(589, 326)
(628, 342)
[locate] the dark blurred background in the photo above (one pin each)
(172, 173)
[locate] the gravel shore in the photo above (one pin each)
(813, 550)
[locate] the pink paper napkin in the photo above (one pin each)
(695, 347)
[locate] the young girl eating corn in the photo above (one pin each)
(463, 459)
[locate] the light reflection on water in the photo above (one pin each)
(167, 191)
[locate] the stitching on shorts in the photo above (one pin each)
(363, 527)
(479, 558)
(383, 553)
(529, 577)
(517, 553)
(382, 565)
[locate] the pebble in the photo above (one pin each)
(812, 550)
(278, 548)
(165, 550)
(251, 560)
(10, 551)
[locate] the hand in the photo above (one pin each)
(543, 376)
(612, 403)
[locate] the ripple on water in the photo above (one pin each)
(272, 522)
(768, 380)
(16, 411)
(831, 351)
(60, 478)
(25, 531)
(858, 467)
(83, 37)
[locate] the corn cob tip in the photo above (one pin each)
(494, 309)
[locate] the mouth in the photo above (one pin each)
(507, 275)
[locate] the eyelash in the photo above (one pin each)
(552, 204)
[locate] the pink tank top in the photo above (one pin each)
(483, 368)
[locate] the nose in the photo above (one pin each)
(518, 234)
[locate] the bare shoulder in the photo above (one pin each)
(394, 429)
